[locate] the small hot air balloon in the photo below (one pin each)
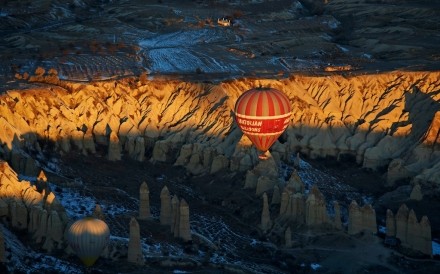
(88, 237)
(263, 114)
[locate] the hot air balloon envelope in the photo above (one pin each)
(263, 114)
(88, 237)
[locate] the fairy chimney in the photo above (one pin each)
(165, 207)
(337, 221)
(297, 161)
(4, 208)
(175, 216)
(134, 244)
(369, 219)
(144, 202)
(402, 223)
(265, 214)
(288, 238)
(55, 232)
(276, 196)
(390, 224)
(114, 148)
(18, 215)
(413, 230)
(425, 244)
(184, 227)
(2, 246)
(354, 218)
(284, 202)
(42, 177)
(97, 213)
(416, 193)
(42, 182)
(297, 208)
(34, 218)
(42, 227)
(295, 183)
(315, 212)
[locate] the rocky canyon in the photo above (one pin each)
(129, 116)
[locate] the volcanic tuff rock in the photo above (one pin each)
(354, 218)
(402, 223)
(144, 201)
(316, 212)
(165, 206)
(97, 212)
(288, 238)
(373, 118)
(412, 233)
(2, 246)
(416, 193)
(184, 226)
(390, 224)
(175, 216)
(361, 219)
(337, 219)
(28, 209)
(134, 254)
(265, 214)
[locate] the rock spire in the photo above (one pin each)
(144, 202)
(134, 244)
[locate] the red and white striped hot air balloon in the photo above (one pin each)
(88, 237)
(263, 114)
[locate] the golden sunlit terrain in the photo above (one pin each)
(124, 110)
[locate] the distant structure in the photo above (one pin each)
(224, 22)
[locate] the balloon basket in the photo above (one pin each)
(263, 156)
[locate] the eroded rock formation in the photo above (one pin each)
(165, 206)
(98, 213)
(30, 209)
(184, 226)
(361, 219)
(265, 214)
(374, 118)
(144, 201)
(316, 212)
(2, 246)
(412, 233)
(134, 254)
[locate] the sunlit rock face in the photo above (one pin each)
(372, 119)
(38, 212)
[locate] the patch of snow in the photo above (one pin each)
(177, 12)
(435, 248)
(77, 206)
(315, 266)
(22, 259)
(182, 39)
(342, 48)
